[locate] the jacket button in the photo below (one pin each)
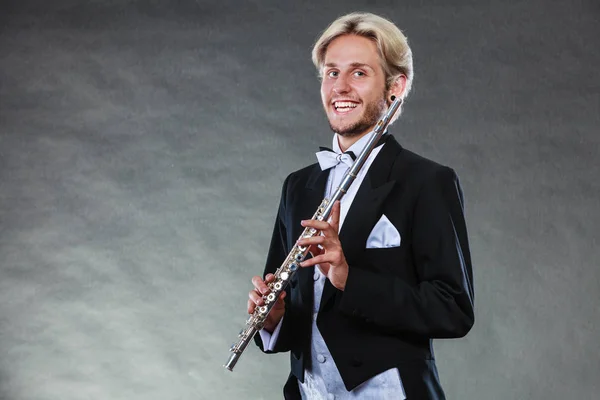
(321, 358)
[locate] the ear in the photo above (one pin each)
(397, 88)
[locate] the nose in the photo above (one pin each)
(341, 84)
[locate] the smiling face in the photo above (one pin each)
(353, 86)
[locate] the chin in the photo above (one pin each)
(348, 131)
(346, 128)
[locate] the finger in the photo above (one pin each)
(333, 257)
(269, 278)
(313, 223)
(315, 260)
(311, 241)
(260, 285)
(323, 244)
(325, 228)
(256, 297)
(251, 306)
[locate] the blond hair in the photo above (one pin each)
(392, 45)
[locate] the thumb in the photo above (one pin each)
(335, 215)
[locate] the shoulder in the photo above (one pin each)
(407, 165)
(425, 177)
(299, 179)
(429, 177)
(301, 176)
(419, 169)
(303, 173)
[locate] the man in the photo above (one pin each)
(391, 269)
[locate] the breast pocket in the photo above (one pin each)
(393, 261)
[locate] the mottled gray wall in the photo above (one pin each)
(142, 150)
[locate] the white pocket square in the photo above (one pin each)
(384, 234)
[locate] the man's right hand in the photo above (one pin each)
(256, 299)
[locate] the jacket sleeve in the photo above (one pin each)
(440, 304)
(275, 257)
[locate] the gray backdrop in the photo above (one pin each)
(142, 150)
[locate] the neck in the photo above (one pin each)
(346, 141)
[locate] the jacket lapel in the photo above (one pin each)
(365, 209)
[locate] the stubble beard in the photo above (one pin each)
(372, 114)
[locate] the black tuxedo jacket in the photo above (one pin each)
(396, 299)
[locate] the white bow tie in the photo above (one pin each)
(328, 158)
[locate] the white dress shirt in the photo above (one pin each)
(322, 380)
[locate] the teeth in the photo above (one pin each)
(344, 104)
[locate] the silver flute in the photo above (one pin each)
(288, 268)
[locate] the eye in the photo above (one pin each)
(333, 74)
(359, 73)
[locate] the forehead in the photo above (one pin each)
(348, 50)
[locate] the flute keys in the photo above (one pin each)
(271, 297)
(284, 276)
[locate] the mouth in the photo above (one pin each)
(344, 107)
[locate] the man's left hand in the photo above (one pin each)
(329, 255)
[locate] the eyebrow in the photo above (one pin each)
(353, 65)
